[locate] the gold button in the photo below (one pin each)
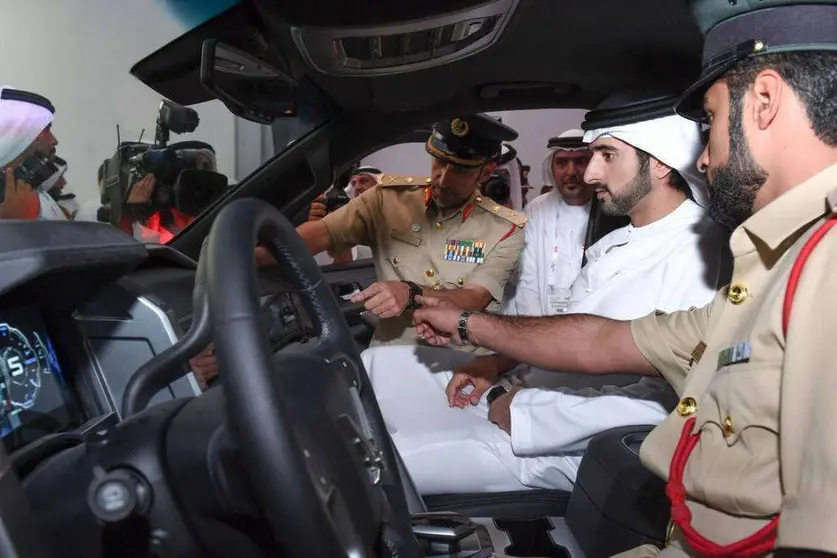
(460, 281)
(430, 273)
(687, 407)
(395, 260)
(427, 181)
(437, 287)
(728, 431)
(496, 209)
(439, 225)
(738, 293)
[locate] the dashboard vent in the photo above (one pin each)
(404, 47)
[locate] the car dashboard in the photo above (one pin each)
(82, 308)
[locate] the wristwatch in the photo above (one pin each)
(415, 290)
(463, 326)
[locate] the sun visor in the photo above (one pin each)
(174, 70)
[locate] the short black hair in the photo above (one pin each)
(811, 74)
(675, 179)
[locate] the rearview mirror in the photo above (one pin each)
(249, 87)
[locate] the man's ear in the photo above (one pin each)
(659, 170)
(766, 96)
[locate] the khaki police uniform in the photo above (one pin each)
(477, 245)
(745, 383)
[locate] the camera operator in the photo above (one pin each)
(348, 186)
(27, 151)
(150, 224)
(153, 191)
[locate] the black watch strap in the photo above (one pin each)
(415, 290)
(463, 326)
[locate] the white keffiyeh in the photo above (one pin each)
(672, 140)
(20, 124)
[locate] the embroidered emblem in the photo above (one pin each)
(697, 353)
(459, 127)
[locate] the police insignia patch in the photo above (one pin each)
(465, 251)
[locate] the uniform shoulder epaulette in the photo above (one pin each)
(401, 181)
(501, 211)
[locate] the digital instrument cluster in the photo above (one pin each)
(34, 399)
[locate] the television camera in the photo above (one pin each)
(498, 186)
(184, 172)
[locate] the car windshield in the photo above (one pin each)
(112, 160)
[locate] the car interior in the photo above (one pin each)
(113, 449)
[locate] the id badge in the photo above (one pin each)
(558, 301)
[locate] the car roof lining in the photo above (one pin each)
(593, 48)
(577, 51)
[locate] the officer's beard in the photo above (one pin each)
(624, 202)
(733, 185)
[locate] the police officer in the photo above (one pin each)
(431, 235)
(749, 454)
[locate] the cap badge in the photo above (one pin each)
(459, 127)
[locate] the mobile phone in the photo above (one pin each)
(33, 170)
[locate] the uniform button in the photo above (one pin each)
(728, 430)
(437, 287)
(478, 199)
(738, 293)
(430, 273)
(439, 225)
(395, 260)
(460, 281)
(687, 407)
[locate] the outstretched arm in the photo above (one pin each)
(578, 342)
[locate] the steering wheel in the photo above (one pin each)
(305, 419)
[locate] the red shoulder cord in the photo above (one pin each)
(763, 540)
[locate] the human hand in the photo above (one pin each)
(142, 190)
(205, 366)
(437, 322)
(263, 257)
(500, 410)
(479, 374)
(385, 299)
(21, 200)
(318, 209)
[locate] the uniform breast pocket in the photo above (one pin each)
(454, 275)
(736, 462)
(745, 396)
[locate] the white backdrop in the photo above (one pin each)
(78, 54)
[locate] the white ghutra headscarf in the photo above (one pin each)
(571, 140)
(21, 122)
(672, 140)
